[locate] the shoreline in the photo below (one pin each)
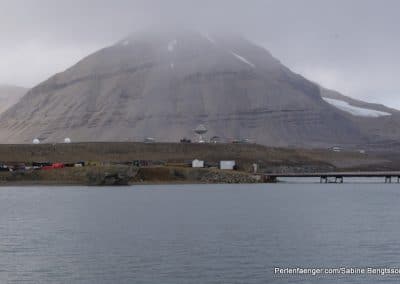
(132, 163)
(124, 176)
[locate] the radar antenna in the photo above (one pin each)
(200, 131)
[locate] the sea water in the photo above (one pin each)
(200, 233)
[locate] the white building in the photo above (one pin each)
(149, 140)
(227, 165)
(197, 164)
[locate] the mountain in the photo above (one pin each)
(164, 84)
(10, 95)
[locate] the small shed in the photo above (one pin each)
(227, 165)
(215, 139)
(197, 164)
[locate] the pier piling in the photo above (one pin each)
(388, 179)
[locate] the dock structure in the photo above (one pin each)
(334, 177)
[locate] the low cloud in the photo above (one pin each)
(350, 46)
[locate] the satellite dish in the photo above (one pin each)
(67, 140)
(36, 141)
(200, 131)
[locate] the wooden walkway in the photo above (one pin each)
(335, 177)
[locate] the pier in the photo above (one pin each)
(335, 177)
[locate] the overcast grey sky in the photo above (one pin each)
(348, 45)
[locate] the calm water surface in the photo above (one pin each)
(197, 233)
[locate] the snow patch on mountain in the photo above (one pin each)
(125, 43)
(207, 37)
(241, 58)
(356, 111)
(172, 45)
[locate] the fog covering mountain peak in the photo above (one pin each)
(163, 84)
(10, 95)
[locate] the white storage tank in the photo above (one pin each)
(227, 165)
